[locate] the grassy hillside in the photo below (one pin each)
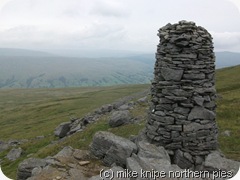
(228, 110)
(27, 113)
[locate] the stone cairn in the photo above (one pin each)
(182, 111)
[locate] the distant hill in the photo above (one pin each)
(45, 70)
(36, 69)
(23, 52)
(226, 59)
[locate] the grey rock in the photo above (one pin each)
(187, 56)
(196, 126)
(215, 161)
(133, 163)
(75, 127)
(201, 113)
(14, 154)
(81, 154)
(182, 110)
(111, 148)
(142, 100)
(25, 168)
(205, 90)
(65, 152)
(199, 160)
(194, 76)
(198, 100)
(147, 150)
(181, 92)
(171, 74)
(49, 172)
(174, 127)
(62, 130)
(124, 107)
(182, 161)
(76, 174)
(159, 113)
(176, 98)
(119, 118)
(163, 119)
(36, 171)
(106, 108)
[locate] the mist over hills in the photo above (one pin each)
(38, 69)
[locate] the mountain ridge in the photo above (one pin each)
(21, 68)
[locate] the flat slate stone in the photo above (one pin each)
(171, 74)
(201, 113)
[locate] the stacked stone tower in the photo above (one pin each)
(182, 112)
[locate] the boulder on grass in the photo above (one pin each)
(25, 168)
(119, 118)
(14, 154)
(62, 130)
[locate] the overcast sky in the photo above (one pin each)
(112, 24)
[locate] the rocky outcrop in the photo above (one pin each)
(119, 118)
(25, 168)
(146, 160)
(62, 130)
(111, 148)
(4, 145)
(79, 124)
(216, 161)
(67, 164)
(14, 154)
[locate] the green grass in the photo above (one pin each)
(228, 110)
(27, 113)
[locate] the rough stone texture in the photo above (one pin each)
(183, 161)
(67, 164)
(119, 118)
(216, 161)
(111, 148)
(182, 110)
(25, 168)
(148, 150)
(14, 154)
(62, 129)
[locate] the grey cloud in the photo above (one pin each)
(125, 24)
(31, 36)
(109, 9)
(226, 40)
